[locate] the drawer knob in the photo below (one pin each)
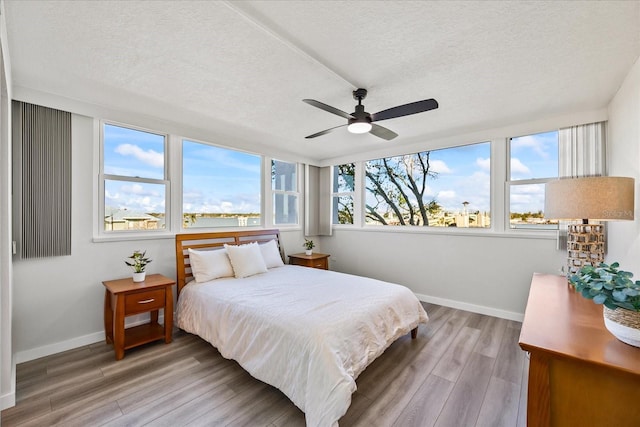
(146, 301)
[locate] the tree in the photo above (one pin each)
(398, 186)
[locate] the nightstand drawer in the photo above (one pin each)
(319, 263)
(141, 302)
(315, 260)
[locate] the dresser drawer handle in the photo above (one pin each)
(146, 301)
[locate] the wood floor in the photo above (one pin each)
(464, 369)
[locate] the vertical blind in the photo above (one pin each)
(582, 152)
(42, 138)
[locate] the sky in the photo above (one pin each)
(225, 181)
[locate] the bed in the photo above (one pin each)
(306, 331)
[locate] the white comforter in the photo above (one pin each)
(308, 332)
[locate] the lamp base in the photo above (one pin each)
(585, 246)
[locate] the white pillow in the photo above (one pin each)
(271, 254)
(246, 259)
(209, 265)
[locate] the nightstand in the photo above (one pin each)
(315, 260)
(124, 297)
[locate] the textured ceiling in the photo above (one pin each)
(242, 68)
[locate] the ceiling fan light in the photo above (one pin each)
(359, 127)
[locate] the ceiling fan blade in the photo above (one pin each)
(382, 132)
(328, 108)
(324, 132)
(405, 110)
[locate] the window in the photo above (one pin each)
(441, 188)
(220, 187)
(343, 194)
(533, 162)
(284, 185)
(134, 179)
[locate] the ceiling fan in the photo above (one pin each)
(362, 122)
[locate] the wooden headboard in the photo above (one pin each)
(208, 241)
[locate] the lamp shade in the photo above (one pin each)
(600, 198)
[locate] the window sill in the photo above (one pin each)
(452, 231)
(122, 237)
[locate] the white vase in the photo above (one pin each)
(308, 252)
(139, 277)
(623, 324)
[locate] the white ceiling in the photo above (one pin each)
(242, 68)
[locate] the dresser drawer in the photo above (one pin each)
(144, 301)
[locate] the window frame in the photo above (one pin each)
(433, 229)
(272, 193)
(179, 183)
(103, 177)
(353, 194)
(510, 183)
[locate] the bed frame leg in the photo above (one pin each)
(414, 333)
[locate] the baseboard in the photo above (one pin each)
(489, 311)
(8, 399)
(47, 350)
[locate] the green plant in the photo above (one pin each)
(606, 284)
(308, 244)
(138, 261)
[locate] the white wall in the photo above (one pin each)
(485, 274)
(7, 363)
(624, 160)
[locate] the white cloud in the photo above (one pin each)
(485, 164)
(531, 141)
(150, 157)
(446, 195)
(519, 168)
(439, 166)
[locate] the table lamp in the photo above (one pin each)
(597, 198)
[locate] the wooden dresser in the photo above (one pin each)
(579, 374)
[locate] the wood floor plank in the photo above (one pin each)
(188, 382)
(97, 416)
(195, 408)
(510, 358)
(225, 412)
(464, 403)
(490, 340)
(454, 359)
(147, 409)
(500, 405)
(425, 406)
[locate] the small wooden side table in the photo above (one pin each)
(315, 260)
(124, 297)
